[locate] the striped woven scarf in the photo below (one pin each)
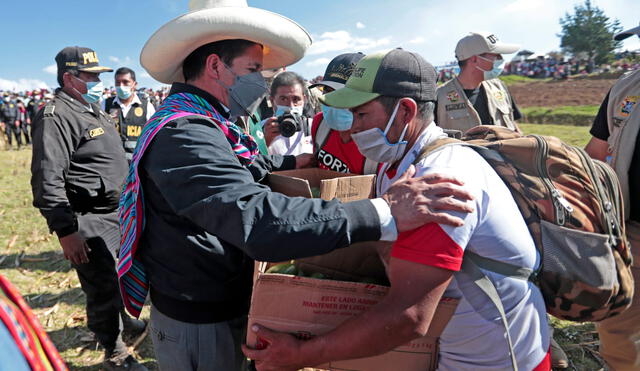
(134, 284)
(29, 336)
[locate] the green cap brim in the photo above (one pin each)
(347, 98)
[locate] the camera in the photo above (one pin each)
(291, 122)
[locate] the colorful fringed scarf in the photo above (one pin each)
(27, 333)
(134, 284)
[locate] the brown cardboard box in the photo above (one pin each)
(307, 307)
(345, 187)
(352, 263)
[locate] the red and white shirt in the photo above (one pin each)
(475, 337)
(335, 154)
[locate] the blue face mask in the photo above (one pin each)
(498, 64)
(124, 92)
(337, 118)
(94, 91)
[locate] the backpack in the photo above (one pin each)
(573, 208)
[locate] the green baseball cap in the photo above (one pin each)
(393, 73)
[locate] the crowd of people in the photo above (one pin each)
(159, 197)
(555, 67)
(558, 67)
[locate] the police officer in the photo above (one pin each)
(78, 169)
(477, 96)
(24, 122)
(128, 110)
(616, 139)
(35, 103)
(9, 113)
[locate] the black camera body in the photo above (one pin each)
(291, 122)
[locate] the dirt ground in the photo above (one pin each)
(573, 92)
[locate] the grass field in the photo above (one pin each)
(31, 258)
(517, 79)
(570, 115)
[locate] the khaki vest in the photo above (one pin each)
(623, 119)
(456, 112)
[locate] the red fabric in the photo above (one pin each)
(428, 245)
(336, 155)
(545, 365)
(23, 319)
(391, 172)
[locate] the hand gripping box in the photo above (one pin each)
(307, 307)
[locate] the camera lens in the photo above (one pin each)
(288, 127)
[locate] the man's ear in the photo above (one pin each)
(409, 110)
(68, 78)
(213, 67)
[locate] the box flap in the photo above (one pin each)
(344, 186)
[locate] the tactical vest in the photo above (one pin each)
(129, 127)
(456, 112)
(623, 119)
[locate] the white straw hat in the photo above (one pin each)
(284, 41)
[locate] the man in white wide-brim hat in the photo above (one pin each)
(191, 242)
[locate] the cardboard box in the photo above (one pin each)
(345, 187)
(307, 307)
(357, 261)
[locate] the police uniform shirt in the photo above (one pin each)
(9, 112)
(78, 163)
(136, 101)
(600, 130)
(478, 98)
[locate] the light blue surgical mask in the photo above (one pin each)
(94, 91)
(281, 110)
(339, 119)
(124, 92)
(494, 72)
(374, 145)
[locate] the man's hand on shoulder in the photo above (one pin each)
(418, 201)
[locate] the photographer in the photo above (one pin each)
(288, 132)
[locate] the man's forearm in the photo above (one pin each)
(379, 330)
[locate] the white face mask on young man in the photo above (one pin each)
(374, 145)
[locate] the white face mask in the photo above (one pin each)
(374, 145)
(496, 69)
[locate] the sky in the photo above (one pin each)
(34, 31)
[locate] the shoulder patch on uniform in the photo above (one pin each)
(96, 132)
(453, 96)
(49, 109)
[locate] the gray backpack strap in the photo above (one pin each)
(370, 167)
(322, 134)
(502, 268)
(484, 283)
